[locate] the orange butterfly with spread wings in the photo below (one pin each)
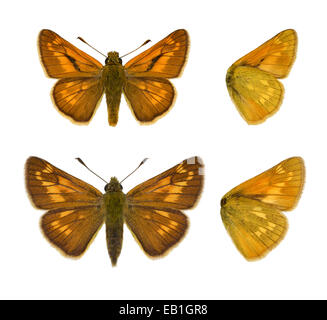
(252, 80)
(151, 210)
(251, 212)
(143, 80)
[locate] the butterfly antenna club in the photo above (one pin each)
(80, 38)
(142, 162)
(82, 162)
(143, 44)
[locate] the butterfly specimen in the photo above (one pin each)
(251, 212)
(151, 210)
(143, 80)
(252, 80)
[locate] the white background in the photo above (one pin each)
(203, 122)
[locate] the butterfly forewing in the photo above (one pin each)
(52, 188)
(280, 186)
(275, 56)
(153, 206)
(61, 59)
(176, 188)
(251, 212)
(163, 60)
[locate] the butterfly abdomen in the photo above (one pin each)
(114, 205)
(113, 77)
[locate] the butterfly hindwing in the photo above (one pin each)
(251, 212)
(153, 211)
(252, 80)
(72, 229)
(254, 227)
(156, 229)
(257, 94)
(78, 98)
(149, 98)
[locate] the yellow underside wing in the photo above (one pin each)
(251, 212)
(252, 80)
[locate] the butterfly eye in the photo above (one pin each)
(121, 187)
(106, 187)
(120, 61)
(106, 61)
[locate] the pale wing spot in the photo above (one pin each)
(54, 223)
(163, 213)
(161, 232)
(65, 213)
(280, 184)
(258, 233)
(172, 198)
(189, 177)
(265, 83)
(260, 214)
(46, 183)
(47, 169)
(182, 183)
(271, 226)
(65, 230)
(56, 197)
(263, 230)
(280, 170)
(250, 86)
(173, 223)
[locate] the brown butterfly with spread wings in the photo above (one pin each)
(143, 80)
(151, 210)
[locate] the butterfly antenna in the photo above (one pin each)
(80, 38)
(82, 162)
(143, 44)
(142, 162)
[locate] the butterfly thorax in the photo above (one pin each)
(114, 202)
(113, 79)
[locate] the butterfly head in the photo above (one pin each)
(113, 186)
(223, 201)
(113, 58)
